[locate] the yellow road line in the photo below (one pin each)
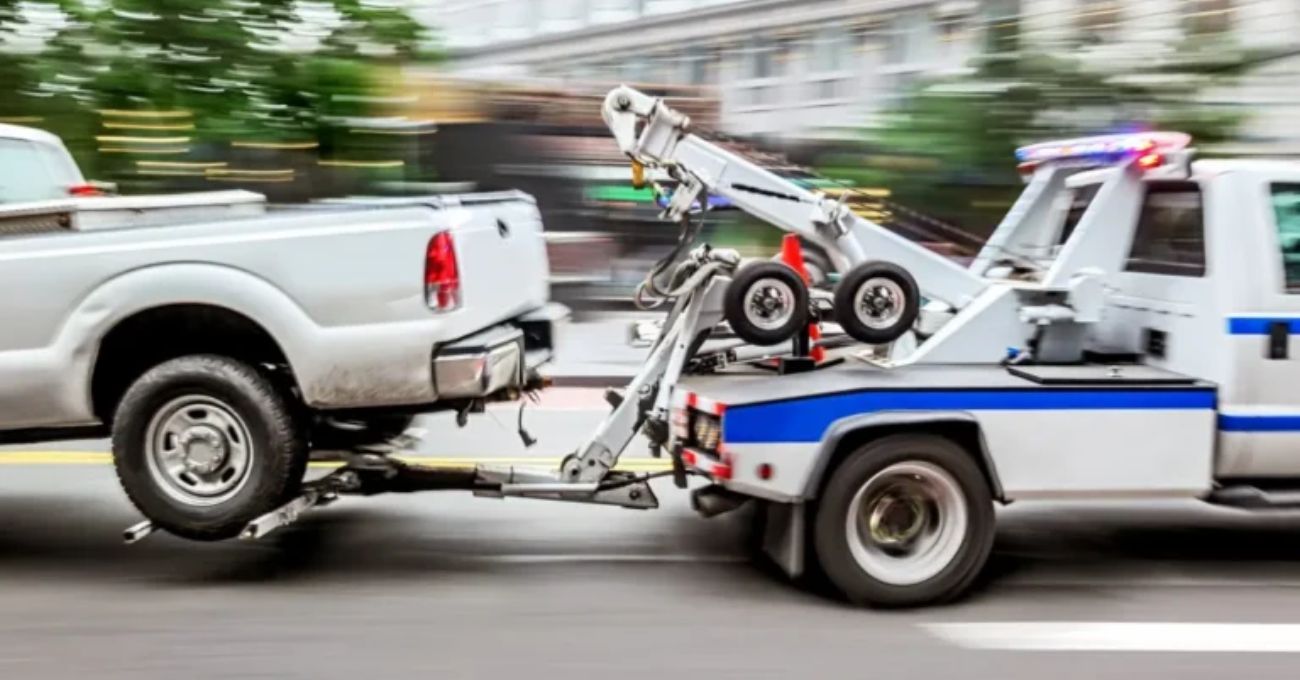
(104, 458)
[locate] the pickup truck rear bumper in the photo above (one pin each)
(499, 358)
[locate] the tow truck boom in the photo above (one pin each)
(701, 166)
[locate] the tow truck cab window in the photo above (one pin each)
(1170, 235)
(1286, 212)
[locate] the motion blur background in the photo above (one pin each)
(915, 105)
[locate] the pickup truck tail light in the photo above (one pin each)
(441, 274)
(85, 190)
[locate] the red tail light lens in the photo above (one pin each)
(84, 190)
(441, 274)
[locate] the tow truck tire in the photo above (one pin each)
(204, 444)
(877, 302)
(766, 303)
(904, 521)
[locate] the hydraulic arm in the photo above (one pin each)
(655, 136)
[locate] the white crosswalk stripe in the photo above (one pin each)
(1120, 636)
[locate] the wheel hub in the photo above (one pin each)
(770, 304)
(896, 520)
(203, 449)
(879, 302)
(199, 450)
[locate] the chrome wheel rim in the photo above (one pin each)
(907, 523)
(769, 304)
(198, 450)
(879, 302)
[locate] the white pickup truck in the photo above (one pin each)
(213, 339)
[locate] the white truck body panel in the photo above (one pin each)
(1210, 322)
(340, 291)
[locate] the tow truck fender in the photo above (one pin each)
(913, 421)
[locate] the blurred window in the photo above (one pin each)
(1170, 235)
(701, 66)
(33, 172)
(830, 50)
(1097, 21)
(760, 60)
(911, 39)
(1286, 210)
(1208, 17)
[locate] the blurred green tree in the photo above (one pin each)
(948, 148)
(273, 68)
(107, 74)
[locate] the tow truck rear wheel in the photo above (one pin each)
(766, 303)
(204, 444)
(877, 302)
(904, 521)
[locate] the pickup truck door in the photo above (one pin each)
(1259, 404)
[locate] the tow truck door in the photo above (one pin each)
(1259, 399)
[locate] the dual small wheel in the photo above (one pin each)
(768, 303)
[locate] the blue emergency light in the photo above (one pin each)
(1147, 148)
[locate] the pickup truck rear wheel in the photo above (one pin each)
(204, 444)
(906, 520)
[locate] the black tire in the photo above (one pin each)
(831, 535)
(748, 282)
(216, 390)
(847, 311)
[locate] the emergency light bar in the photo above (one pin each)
(1148, 148)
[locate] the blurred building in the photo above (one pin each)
(803, 68)
(1117, 33)
(816, 68)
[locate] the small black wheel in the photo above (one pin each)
(877, 302)
(204, 444)
(766, 303)
(904, 521)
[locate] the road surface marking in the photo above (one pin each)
(1120, 636)
(104, 458)
(608, 558)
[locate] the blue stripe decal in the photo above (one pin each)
(1258, 325)
(806, 420)
(1259, 423)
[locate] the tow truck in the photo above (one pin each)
(1126, 332)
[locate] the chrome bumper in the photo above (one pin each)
(488, 362)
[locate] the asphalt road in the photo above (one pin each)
(448, 586)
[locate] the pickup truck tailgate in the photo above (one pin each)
(501, 256)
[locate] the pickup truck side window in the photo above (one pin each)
(1170, 235)
(1286, 210)
(29, 172)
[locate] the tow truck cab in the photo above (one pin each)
(1187, 386)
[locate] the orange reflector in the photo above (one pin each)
(638, 175)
